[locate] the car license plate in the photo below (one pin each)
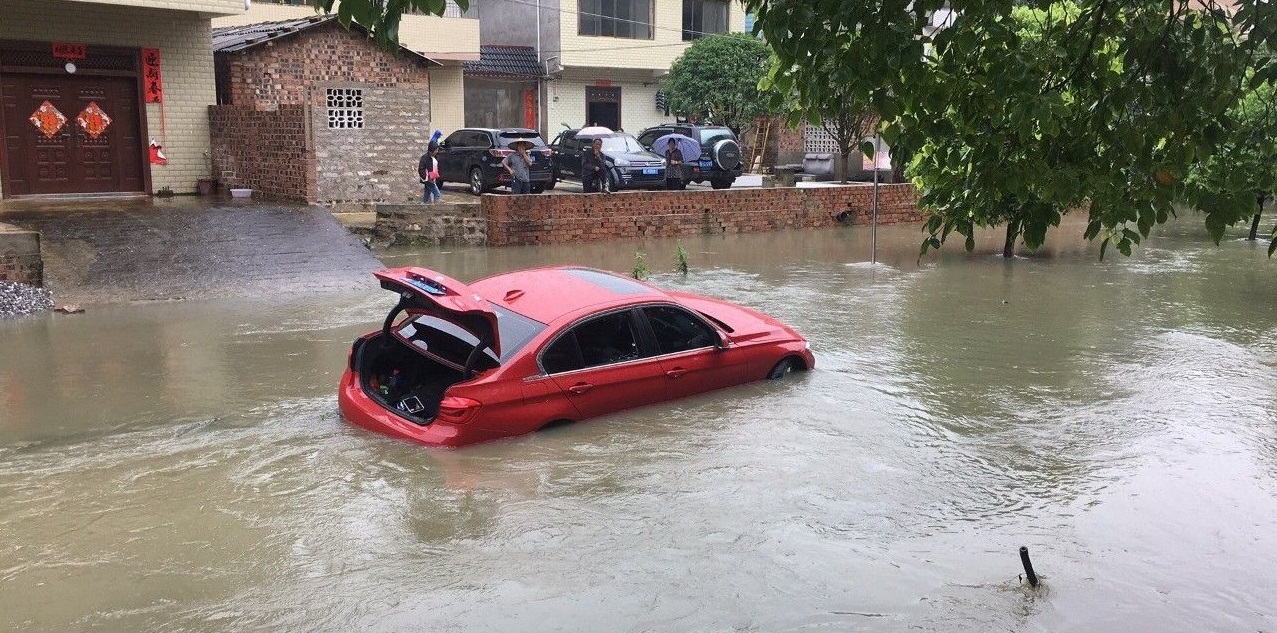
(649, 172)
(706, 164)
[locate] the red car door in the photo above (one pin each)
(695, 357)
(602, 366)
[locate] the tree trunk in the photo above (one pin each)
(845, 165)
(1254, 228)
(1013, 231)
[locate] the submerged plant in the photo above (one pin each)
(640, 266)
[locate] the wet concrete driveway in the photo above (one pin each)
(147, 250)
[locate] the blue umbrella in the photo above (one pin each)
(690, 147)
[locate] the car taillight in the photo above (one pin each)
(457, 410)
(500, 153)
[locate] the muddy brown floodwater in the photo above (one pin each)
(182, 466)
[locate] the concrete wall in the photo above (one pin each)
(568, 218)
(565, 101)
(657, 53)
(20, 256)
(447, 98)
(267, 151)
(438, 37)
(184, 38)
(214, 7)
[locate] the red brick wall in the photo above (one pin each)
(263, 151)
(566, 218)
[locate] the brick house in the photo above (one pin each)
(311, 111)
(450, 39)
(87, 59)
(604, 59)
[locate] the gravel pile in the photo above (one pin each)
(17, 299)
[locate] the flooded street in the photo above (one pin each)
(181, 466)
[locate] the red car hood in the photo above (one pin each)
(425, 290)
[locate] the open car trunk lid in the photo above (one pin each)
(428, 291)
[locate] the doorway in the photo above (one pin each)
(603, 107)
(70, 134)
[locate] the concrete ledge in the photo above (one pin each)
(20, 259)
(439, 224)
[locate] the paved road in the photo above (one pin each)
(112, 251)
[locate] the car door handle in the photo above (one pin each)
(676, 372)
(580, 388)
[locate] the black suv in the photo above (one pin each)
(720, 159)
(629, 165)
(474, 155)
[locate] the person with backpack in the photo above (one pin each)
(428, 174)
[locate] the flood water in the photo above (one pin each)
(182, 466)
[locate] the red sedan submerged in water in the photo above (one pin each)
(520, 351)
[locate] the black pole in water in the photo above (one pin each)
(1028, 566)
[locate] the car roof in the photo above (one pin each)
(550, 293)
(498, 129)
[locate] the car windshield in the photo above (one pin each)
(621, 143)
(506, 138)
(450, 342)
(714, 135)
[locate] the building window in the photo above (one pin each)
(616, 18)
(703, 17)
(346, 108)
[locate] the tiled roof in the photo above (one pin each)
(505, 61)
(233, 39)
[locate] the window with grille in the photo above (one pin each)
(345, 108)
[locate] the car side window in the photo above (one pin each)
(480, 140)
(677, 330)
(607, 339)
(562, 355)
(456, 139)
(649, 137)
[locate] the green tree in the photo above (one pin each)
(381, 17)
(1016, 113)
(717, 77)
(838, 107)
(1245, 166)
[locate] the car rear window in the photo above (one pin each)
(505, 138)
(619, 285)
(450, 342)
(711, 136)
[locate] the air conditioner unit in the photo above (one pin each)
(553, 65)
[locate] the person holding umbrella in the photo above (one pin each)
(594, 169)
(674, 166)
(519, 165)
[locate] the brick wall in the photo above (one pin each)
(566, 218)
(180, 124)
(263, 150)
(20, 256)
(375, 163)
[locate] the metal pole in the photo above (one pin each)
(541, 63)
(873, 230)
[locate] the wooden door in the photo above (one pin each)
(70, 134)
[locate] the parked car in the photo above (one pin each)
(458, 363)
(720, 159)
(629, 164)
(474, 155)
